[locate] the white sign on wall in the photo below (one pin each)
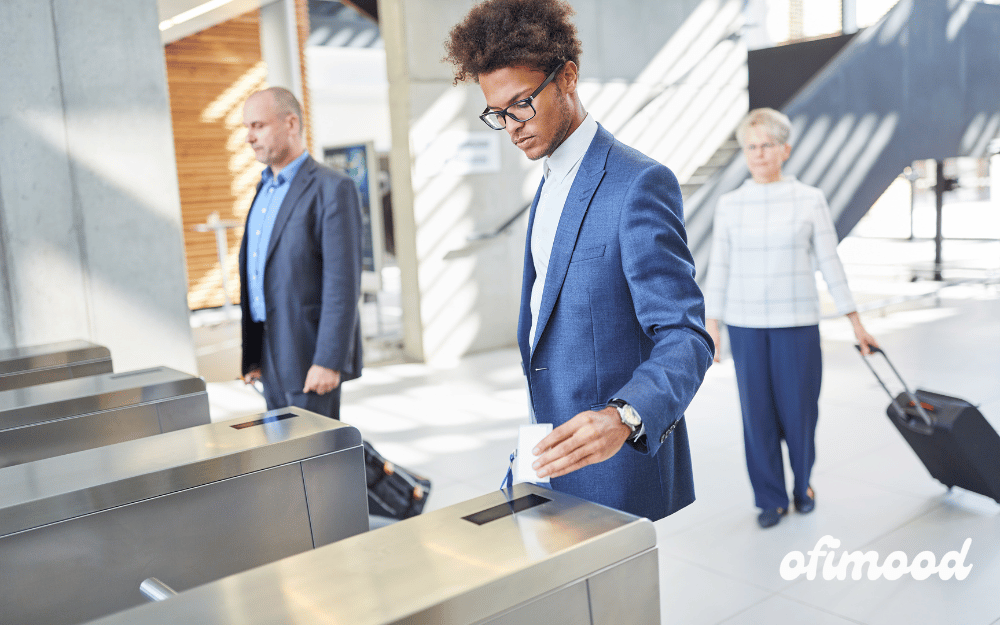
(459, 153)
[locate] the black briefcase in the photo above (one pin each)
(393, 491)
(949, 435)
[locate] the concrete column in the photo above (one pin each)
(849, 16)
(279, 45)
(90, 227)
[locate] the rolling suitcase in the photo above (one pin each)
(949, 435)
(393, 491)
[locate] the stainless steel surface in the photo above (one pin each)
(632, 588)
(40, 364)
(67, 398)
(440, 568)
(63, 487)
(155, 590)
(72, 415)
(187, 507)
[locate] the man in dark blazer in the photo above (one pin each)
(611, 328)
(300, 266)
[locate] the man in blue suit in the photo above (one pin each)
(300, 266)
(611, 327)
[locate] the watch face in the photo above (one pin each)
(630, 417)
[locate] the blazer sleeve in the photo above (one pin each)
(340, 235)
(668, 304)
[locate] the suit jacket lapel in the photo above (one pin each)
(588, 177)
(303, 179)
(527, 280)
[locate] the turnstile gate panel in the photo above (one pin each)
(80, 532)
(528, 557)
(39, 364)
(57, 418)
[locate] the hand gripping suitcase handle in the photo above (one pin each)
(913, 398)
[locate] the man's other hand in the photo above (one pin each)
(587, 438)
(251, 376)
(321, 380)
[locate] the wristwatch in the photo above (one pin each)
(630, 418)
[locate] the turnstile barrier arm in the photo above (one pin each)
(155, 590)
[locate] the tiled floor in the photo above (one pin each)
(458, 425)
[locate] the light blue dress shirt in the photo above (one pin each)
(260, 225)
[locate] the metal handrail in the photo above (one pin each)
(484, 236)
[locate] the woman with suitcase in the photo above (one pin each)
(769, 236)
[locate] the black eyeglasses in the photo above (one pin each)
(523, 110)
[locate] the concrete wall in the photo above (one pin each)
(90, 231)
(667, 77)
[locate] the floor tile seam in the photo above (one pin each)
(870, 543)
(782, 594)
(701, 522)
(854, 458)
(729, 576)
(883, 488)
(753, 605)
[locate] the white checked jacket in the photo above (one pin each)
(767, 243)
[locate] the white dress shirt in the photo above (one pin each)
(767, 243)
(560, 172)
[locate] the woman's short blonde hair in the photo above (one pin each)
(775, 123)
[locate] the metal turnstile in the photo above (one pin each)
(80, 532)
(537, 557)
(40, 364)
(72, 415)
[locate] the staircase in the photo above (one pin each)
(922, 83)
(722, 157)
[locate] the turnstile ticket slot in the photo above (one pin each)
(265, 420)
(506, 509)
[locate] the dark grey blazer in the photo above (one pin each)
(312, 283)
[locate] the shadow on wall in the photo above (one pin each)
(688, 99)
(123, 302)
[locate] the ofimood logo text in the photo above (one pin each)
(895, 565)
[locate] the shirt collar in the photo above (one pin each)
(572, 150)
(286, 174)
(751, 184)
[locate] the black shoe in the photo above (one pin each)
(769, 518)
(808, 503)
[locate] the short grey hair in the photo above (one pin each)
(287, 103)
(775, 123)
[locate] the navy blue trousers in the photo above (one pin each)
(778, 372)
(277, 396)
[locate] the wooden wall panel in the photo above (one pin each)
(210, 74)
(303, 27)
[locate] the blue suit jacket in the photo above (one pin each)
(620, 317)
(312, 283)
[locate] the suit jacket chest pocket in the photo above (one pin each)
(587, 253)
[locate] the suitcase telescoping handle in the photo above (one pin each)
(913, 398)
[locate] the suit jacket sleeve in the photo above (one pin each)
(340, 235)
(669, 306)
